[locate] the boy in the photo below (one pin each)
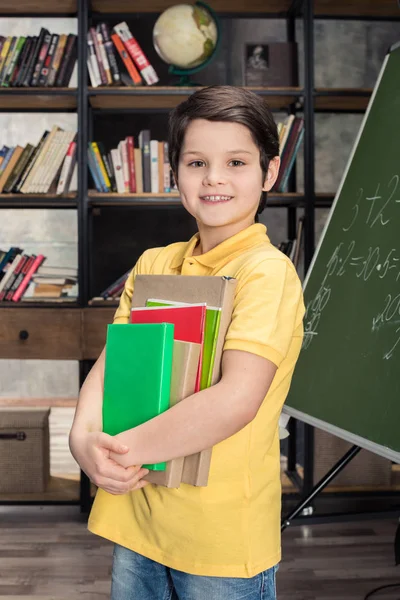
(221, 541)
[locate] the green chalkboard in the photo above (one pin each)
(347, 380)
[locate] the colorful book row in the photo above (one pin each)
(45, 60)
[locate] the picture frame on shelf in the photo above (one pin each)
(272, 64)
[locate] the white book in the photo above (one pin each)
(39, 175)
(73, 184)
(123, 150)
(93, 80)
(10, 271)
(154, 166)
(49, 166)
(118, 171)
(67, 168)
(93, 60)
(104, 58)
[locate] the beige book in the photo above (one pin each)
(139, 171)
(161, 167)
(214, 291)
(31, 177)
(184, 371)
(10, 165)
(58, 159)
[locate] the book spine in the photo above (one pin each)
(167, 169)
(161, 167)
(93, 62)
(58, 56)
(4, 52)
(292, 158)
(24, 283)
(139, 171)
(136, 53)
(31, 162)
(68, 64)
(125, 167)
(130, 67)
(9, 273)
(104, 57)
(24, 271)
(22, 61)
(95, 171)
(96, 44)
(107, 166)
(131, 163)
(66, 171)
(154, 166)
(144, 144)
(18, 169)
(41, 58)
(101, 166)
(109, 47)
(16, 278)
(30, 64)
(45, 70)
(14, 60)
(119, 176)
(8, 59)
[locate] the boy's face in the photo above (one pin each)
(220, 177)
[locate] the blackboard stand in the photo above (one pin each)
(335, 470)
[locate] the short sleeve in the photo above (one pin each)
(268, 311)
(142, 267)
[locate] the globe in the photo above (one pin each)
(186, 36)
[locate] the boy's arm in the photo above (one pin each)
(92, 448)
(206, 418)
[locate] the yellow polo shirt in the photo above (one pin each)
(231, 528)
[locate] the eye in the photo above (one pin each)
(196, 163)
(236, 163)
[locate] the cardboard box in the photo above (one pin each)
(215, 291)
(24, 450)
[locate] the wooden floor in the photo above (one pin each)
(46, 553)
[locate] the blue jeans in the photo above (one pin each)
(135, 577)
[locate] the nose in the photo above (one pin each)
(214, 176)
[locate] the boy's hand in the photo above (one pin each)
(93, 455)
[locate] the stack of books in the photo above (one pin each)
(45, 60)
(291, 133)
(22, 277)
(171, 349)
(127, 169)
(50, 166)
(116, 58)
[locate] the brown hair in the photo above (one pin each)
(226, 103)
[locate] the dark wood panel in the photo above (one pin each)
(221, 6)
(38, 402)
(94, 330)
(50, 333)
(357, 8)
(41, 100)
(38, 7)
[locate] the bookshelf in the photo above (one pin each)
(81, 326)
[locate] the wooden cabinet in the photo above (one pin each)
(94, 330)
(46, 333)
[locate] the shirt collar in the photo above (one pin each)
(247, 238)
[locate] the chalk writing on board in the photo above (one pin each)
(352, 259)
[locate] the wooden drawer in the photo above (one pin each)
(94, 330)
(46, 333)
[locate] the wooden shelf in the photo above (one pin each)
(38, 201)
(38, 402)
(49, 99)
(342, 99)
(37, 7)
(167, 97)
(60, 489)
(356, 8)
(273, 7)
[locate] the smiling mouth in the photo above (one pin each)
(216, 198)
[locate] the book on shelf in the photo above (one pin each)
(115, 57)
(292, 247)
(23, 277)
(291, 133)
(130, 169)
(48, 167)
(45, 60)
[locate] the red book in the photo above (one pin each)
(189, 322)
(24, 283)
(131, 163)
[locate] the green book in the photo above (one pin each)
(137, 376)
(211, 330)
